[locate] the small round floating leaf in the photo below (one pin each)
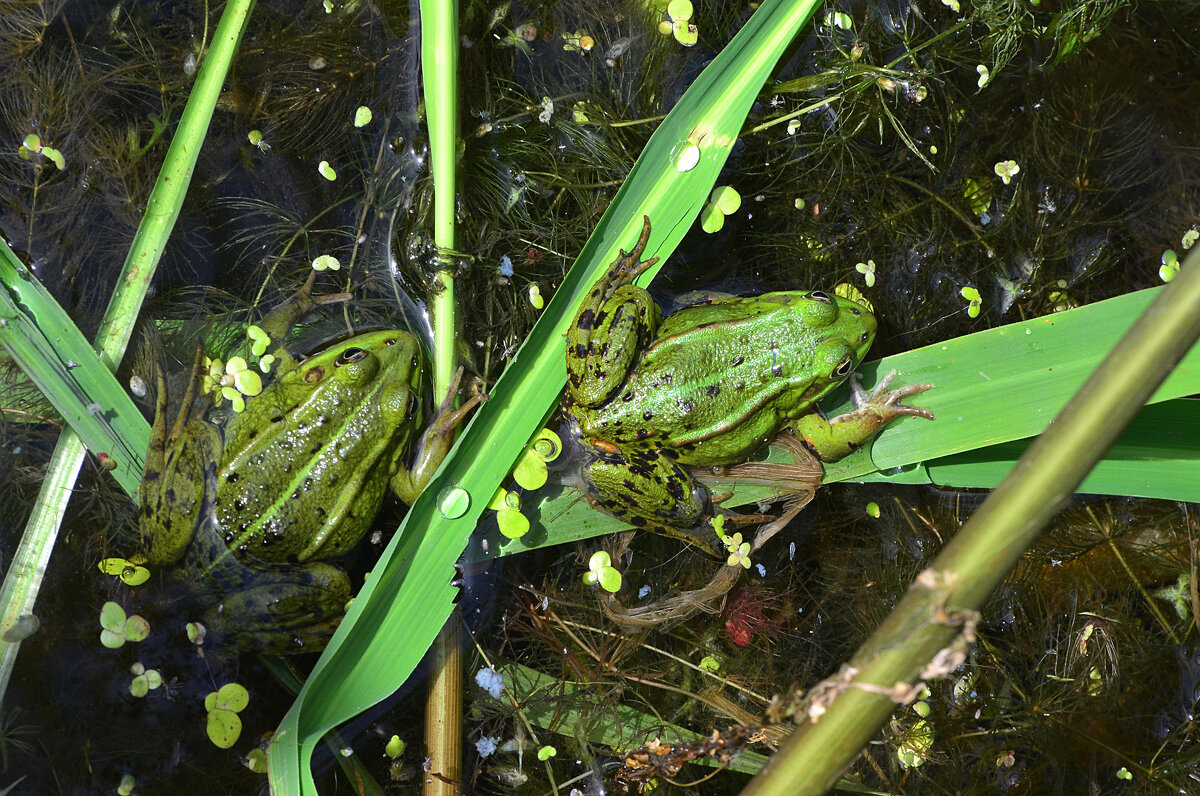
(139, 686)
(710, 664)
(498, 500)
(1006, 170)
(112, 616)
(1168, 271)
(546, 752)
(680, 9)
(247, 382)
(256, 761)
(530, 471)
(224, 727)
(727, 198)
(128, 783)
(664, 27)
(113, 566)
(984, 75)
(232, 696)
(255, 137)
(260, 341)
(712, 220)
(196, 632)
(32, 142)
(535, 297)
(134, 575)
(513, 524)
(326, 262)
(326, 171)
(867, 269)
(136, 628)
(873, 509)
(56, 157)
(395, 747)
(362, 116)
(1189, 238)
(685, 33)
(610, 579)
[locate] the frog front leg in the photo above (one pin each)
(614, 325)
(833, 438)
(410, 480)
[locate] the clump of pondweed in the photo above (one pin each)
(879, 144)
(1083, 663)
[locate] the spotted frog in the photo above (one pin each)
(707, 387)
(254, 507)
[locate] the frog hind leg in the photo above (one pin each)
(290, 609)
(832, 438)
(614, 324)
(179, 476)
(649, 490)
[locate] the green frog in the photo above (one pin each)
(706, 388)
(253, 507)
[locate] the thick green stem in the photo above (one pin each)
(943, 599)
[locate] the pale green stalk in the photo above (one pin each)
(23, 580)
(930, 619)
(166, 200)
(439, 66)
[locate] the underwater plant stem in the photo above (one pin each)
(928, 632)
(23, 579)
(439, 67)
(166, 200)
(1150, 603)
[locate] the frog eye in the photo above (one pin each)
(821, 296)
(351, 355)
(844, 367)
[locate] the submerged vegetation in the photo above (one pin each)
(962, 164)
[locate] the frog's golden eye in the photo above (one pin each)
(844, 367)
(351, 355)
(821, 296)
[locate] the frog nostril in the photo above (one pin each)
(351, 355)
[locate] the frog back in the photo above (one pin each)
(304, 473)
(724, 377)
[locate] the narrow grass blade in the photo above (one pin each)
(23, 577)
(53, 353)
(403, 604)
